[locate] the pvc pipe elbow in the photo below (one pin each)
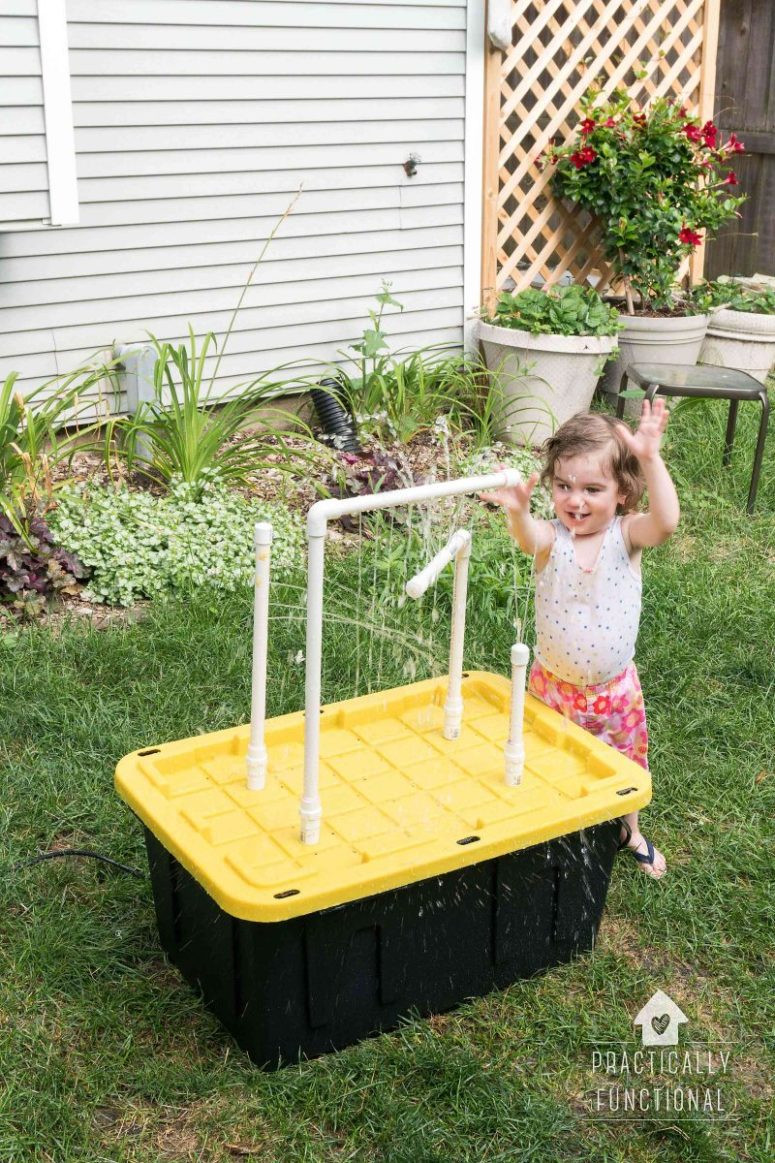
(318, 517)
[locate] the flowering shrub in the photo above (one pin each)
(654, 179)
(139, 545)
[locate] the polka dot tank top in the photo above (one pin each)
(587, 620)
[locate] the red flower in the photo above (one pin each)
(689, 237)
(734, 145)
(710, 134)
(639, 118)
(587, 125)
(731, 179)
(583, 157)
(609, 123)
(693, 132)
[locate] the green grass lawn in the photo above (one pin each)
(106, 1055)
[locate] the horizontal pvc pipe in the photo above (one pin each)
(331, 509)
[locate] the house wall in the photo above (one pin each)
(196, 121)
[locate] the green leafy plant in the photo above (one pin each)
(396, 396)
(33, 569)
(38, 432)
(556, 311)
(654, 179)
(139, 545)
(372, 351)
(184, 433)
(735, 296)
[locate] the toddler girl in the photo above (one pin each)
(588, 589)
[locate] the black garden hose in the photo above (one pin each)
(334, 417)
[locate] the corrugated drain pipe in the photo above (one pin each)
(334, 417)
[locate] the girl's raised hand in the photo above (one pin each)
(517, 497)
(645, 443)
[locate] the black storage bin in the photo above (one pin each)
(315, 983)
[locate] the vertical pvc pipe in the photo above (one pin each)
(317, 518)
(515, 747)
(309, 808)
(453, 707)
(257, 755)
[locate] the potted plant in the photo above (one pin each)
(545, 350)
(654, 180)
(741, 332)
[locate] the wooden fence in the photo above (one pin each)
(745, 99)
(560, 48)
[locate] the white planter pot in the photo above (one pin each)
(676, 339)
(741, 340)
(542, 380)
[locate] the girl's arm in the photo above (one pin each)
(661, 520)
(531, 535)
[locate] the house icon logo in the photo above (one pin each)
(659, 1020)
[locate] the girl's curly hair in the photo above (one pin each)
(591, 432)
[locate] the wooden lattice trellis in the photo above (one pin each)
(561, 47)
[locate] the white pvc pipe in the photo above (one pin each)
(458, 548)
(453, 706)
(330, 510)
(317, 521)
(257, 755)
(417, 585)
(310, 809)
(515, 747)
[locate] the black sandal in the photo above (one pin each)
(626, 841)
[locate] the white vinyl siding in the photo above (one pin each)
(196, 121)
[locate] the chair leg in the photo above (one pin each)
(729, 437)
(620, 401)
(759, 454)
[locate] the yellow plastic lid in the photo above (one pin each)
(400, 802)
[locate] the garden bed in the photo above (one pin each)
(434, 454)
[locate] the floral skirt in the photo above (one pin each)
(613, 710)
